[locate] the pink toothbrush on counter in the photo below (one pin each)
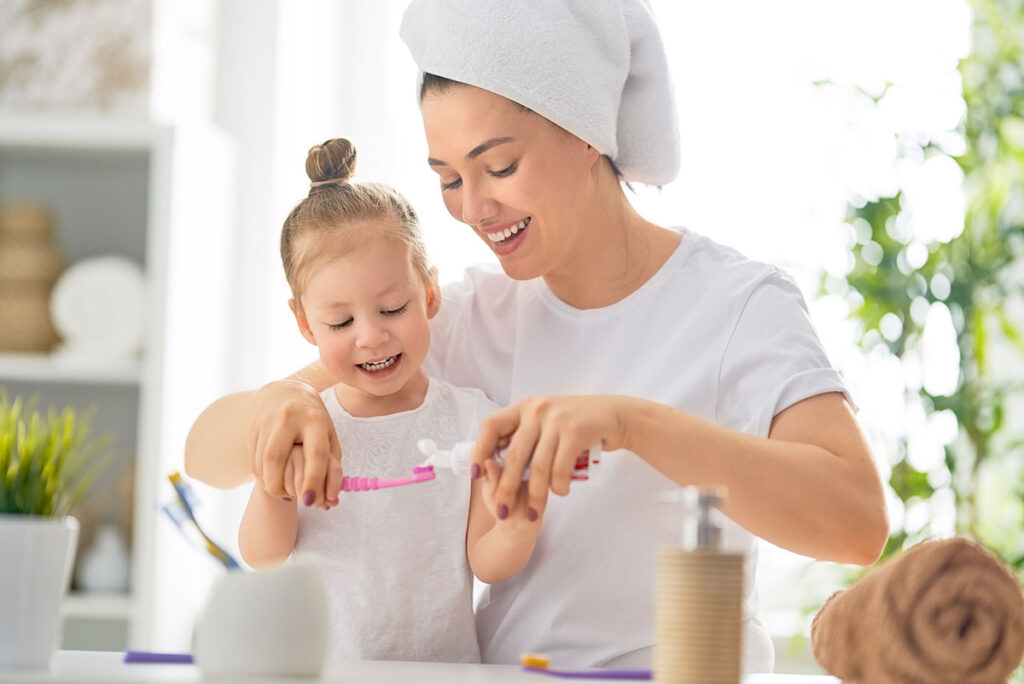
(367, 484)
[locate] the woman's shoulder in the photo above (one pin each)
(481, 279)
(723, 275)
(707, 254)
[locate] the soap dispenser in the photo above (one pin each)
(698, 598)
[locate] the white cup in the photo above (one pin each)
(268, 622)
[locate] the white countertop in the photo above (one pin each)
(73, 667)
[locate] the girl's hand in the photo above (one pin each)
(518, 522)
(548, 434)
(290, 414)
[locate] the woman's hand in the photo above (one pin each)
(547, 434)
(290, 414)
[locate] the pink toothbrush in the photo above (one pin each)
(366, 484)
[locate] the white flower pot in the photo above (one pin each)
(36, 554)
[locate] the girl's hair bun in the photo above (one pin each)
(331, 161)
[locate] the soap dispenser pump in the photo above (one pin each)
(698, 598)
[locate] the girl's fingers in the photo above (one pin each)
(289, 479)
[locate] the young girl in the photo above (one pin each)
(396, 559)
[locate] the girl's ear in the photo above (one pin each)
(433, 294)
(303, 322)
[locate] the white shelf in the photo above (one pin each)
(61, 132)
(97, 606)
(58, 369)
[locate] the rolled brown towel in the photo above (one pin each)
(943, 612)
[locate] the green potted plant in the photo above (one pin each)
(47, 462)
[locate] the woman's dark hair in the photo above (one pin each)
(437, 84)
(432, 83)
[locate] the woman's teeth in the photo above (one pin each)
(501, 236)
(378, 365)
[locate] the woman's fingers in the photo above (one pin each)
(334, 480)
(516, 459)
(541, 471)
(317, 453)
(273, 457)
(289, 413)
(568, 453)
(494, 432)
(294, 469)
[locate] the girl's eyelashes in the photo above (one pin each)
(452, 185)
(385, 312)
(339, 326)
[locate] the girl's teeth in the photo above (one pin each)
(498, 236)
(374, 366)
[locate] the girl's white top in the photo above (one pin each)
(398, 580)
(711, 333)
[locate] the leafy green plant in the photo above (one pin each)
(47, 462)
(975, 278)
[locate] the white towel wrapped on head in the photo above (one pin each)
(596, 68)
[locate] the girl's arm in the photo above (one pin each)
(266, 535)
(251, 433)
(497, 549)
(811, 486)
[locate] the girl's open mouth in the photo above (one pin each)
(377, 366)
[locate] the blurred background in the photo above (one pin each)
(150, 150)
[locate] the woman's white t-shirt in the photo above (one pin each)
(712, 333)
(398, 581)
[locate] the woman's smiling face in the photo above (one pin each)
(518, 180)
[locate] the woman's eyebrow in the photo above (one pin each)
(476, 151)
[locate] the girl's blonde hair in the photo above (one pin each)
(328, 214)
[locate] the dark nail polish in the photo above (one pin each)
(474, 471)
(502, 511)
(531, 514)
(286, 498)
(308, 497)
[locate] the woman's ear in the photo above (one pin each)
(302, 321)
(433, 294)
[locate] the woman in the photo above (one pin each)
(691, 364)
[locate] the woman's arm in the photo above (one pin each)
(811, 486)
(266, 535)
(498, 549)
(251, 434)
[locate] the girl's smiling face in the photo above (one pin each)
(518, 180)
(367, 311)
